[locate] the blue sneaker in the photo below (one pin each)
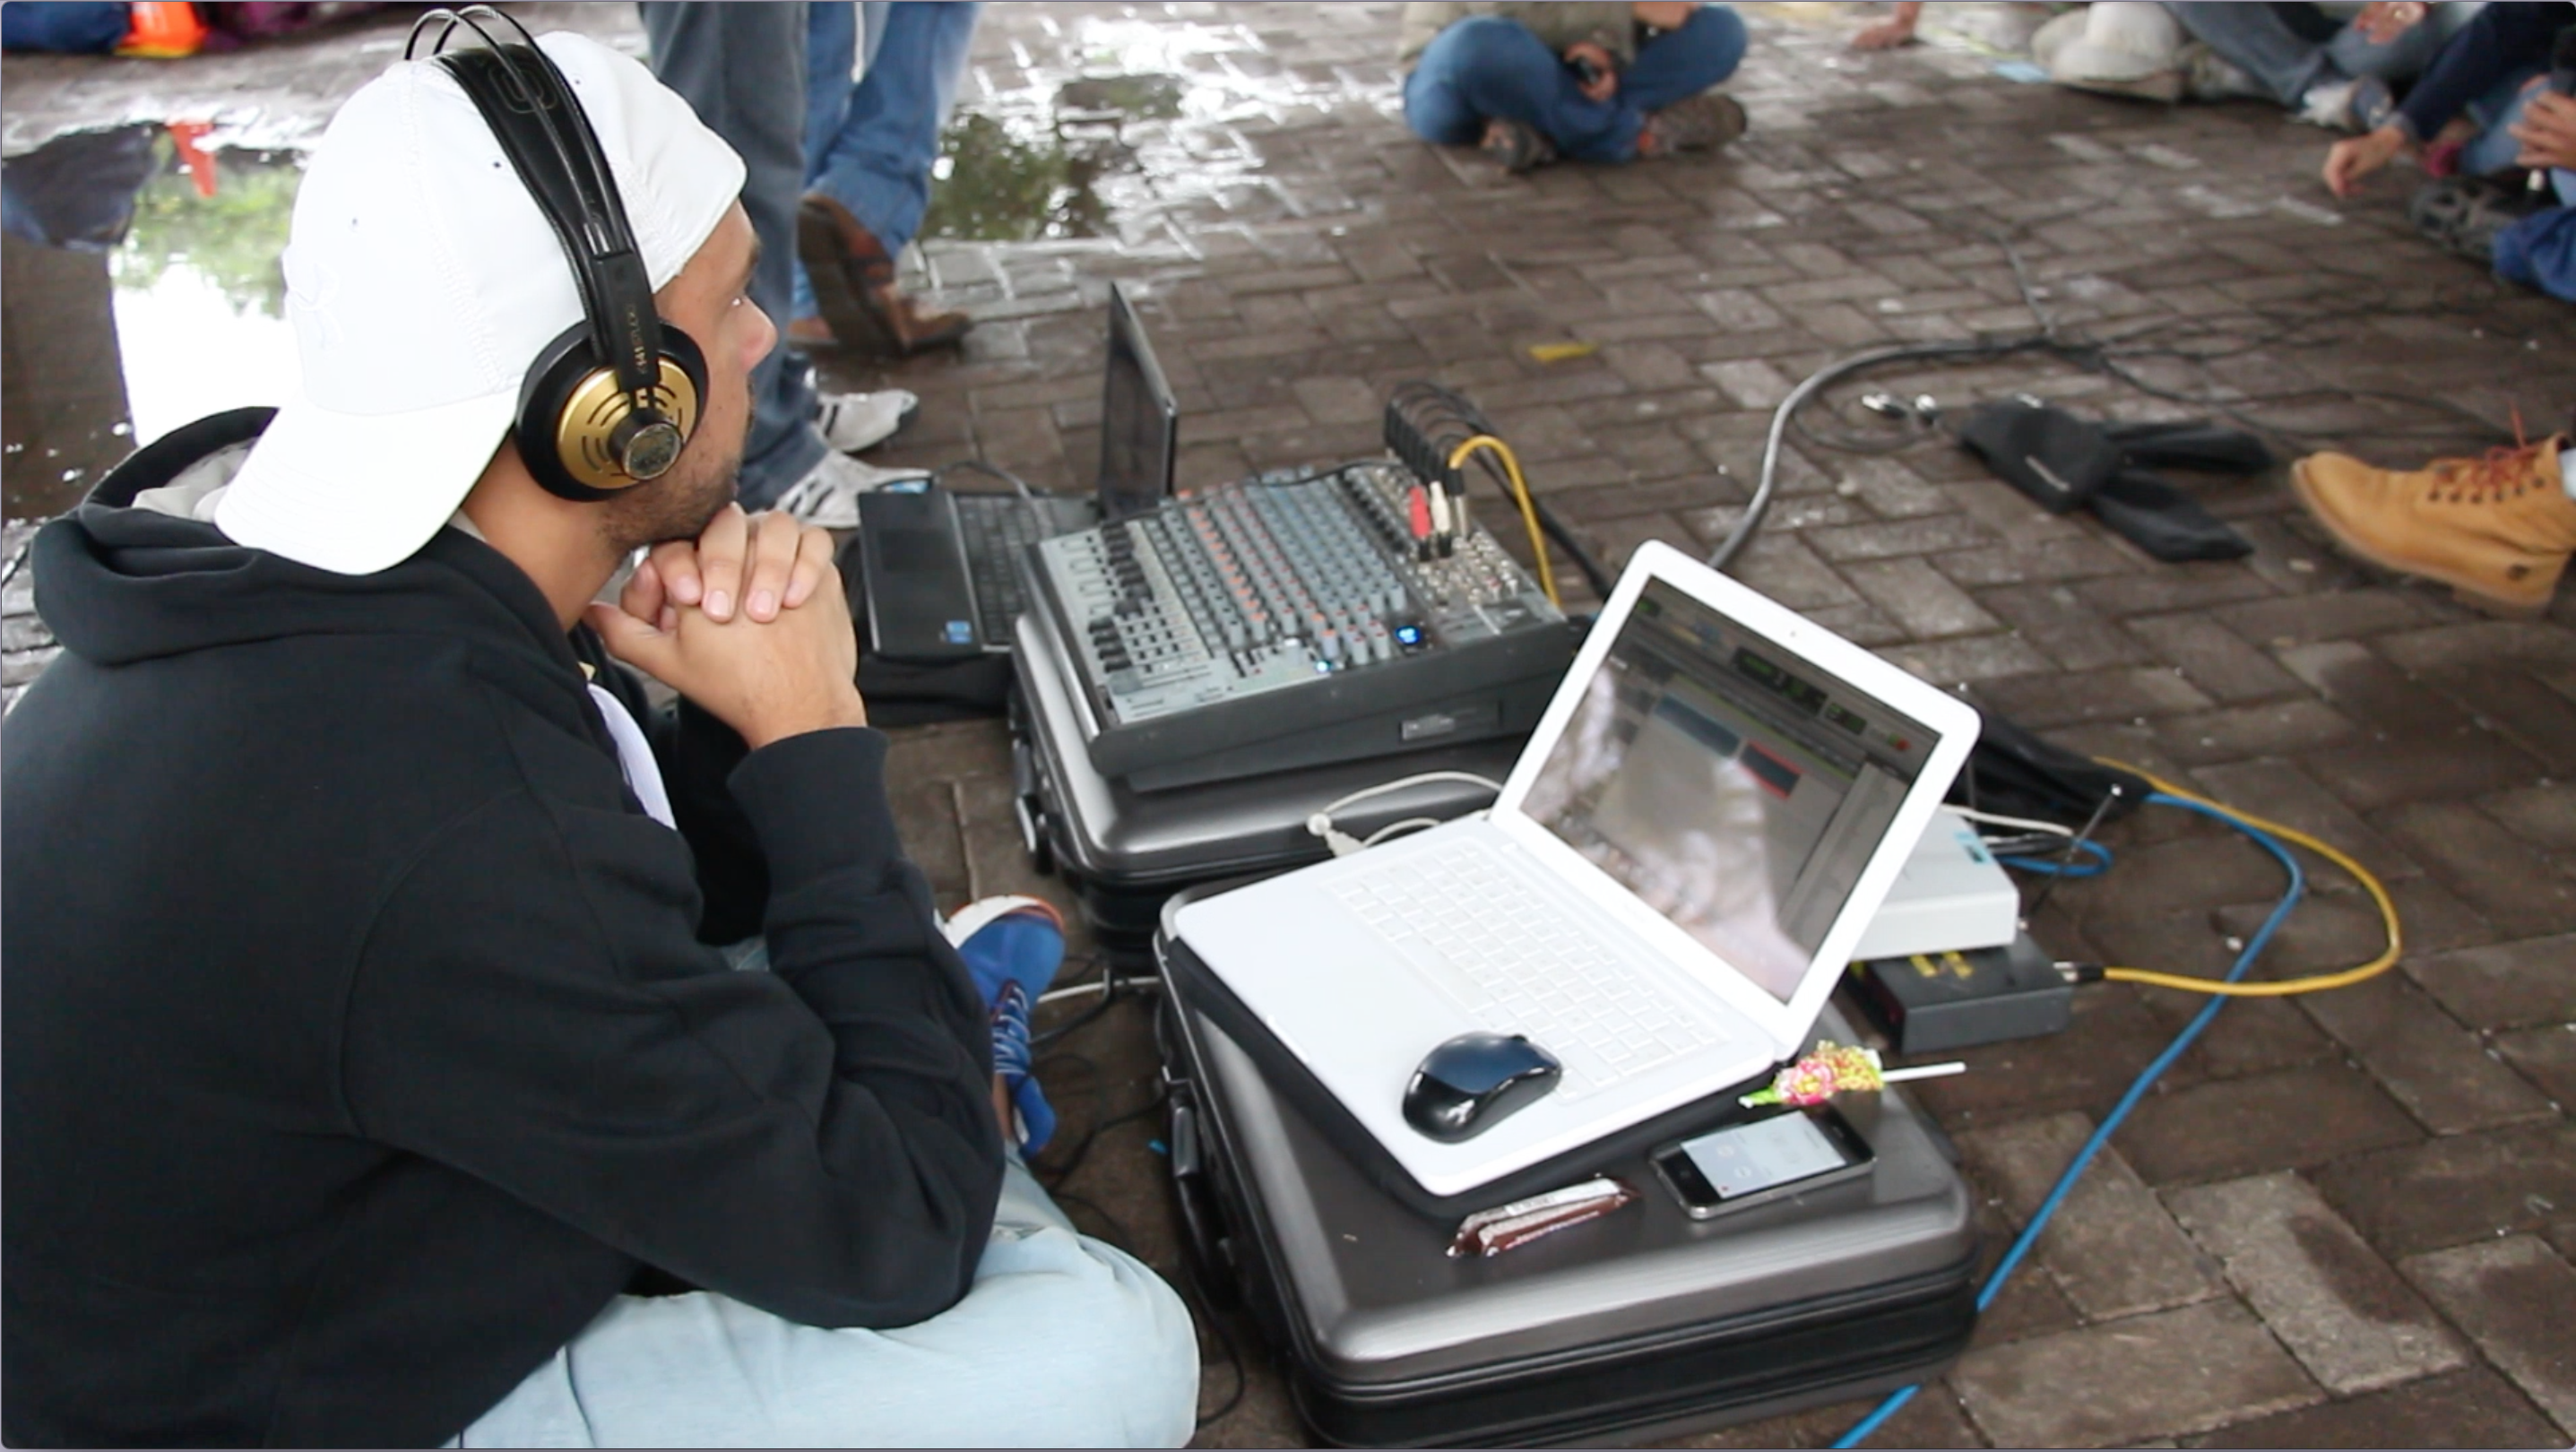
(1012, 947)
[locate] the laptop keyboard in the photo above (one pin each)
(1518, 964)
(995, 528)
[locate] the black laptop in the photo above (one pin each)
(938, 567)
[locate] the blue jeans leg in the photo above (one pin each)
(2540, 251)
(2402, 59)
(2259, 42)
(831, 65)
(878, 163)
(2492, 150)
(1486, 66)
(742, 69)
(1062, 1341)
(1679, 64)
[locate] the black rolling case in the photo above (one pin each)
(1124, 851)
(1640, 1325)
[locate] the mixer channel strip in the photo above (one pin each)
(1267, 607)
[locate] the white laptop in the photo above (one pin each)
(1714, 805)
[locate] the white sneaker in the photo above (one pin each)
(829, 496)
(854, 421)
(2329, 106)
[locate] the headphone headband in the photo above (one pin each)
(597, 419)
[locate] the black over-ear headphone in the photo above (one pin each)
(610, 402)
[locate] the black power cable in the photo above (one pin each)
(2114, 357)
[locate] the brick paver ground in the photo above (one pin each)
(2341, 1220)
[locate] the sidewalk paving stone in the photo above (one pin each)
(2498, 984)
(2511, 1296)
(2488, 866)
(2438, 1070)
(2333, 928)
(2279, 791)
(2055, 620)
(2166, 1374)
(1296, 253)
(2514, 704)
(2213, 658)
(2340, 1309)
(2543, 815)
(2547, 1057)
(2112, 1248)
(2456, 1189)
(2297, 1117)
(2308, 619)
(2250, 1036)
(2472, 1408)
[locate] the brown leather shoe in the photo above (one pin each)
(854, 285)
(2498, 530)
(1694, 123)
(812, 333)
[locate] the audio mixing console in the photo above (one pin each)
(1289, 620)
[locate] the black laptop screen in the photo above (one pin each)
(1139, 421)
(1729, 784)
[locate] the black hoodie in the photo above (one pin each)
(360, 1043)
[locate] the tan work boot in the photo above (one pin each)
(2498, 529)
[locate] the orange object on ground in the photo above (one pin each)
(163, 30)
(201, 163)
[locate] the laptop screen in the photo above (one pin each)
(1727, 783)
(1139, 419)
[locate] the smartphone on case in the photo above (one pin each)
(1761, 1160)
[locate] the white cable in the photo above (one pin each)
(1409, 824)
(1426, 778)
(1344, 844)
(2027, 824)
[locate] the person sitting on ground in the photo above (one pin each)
(371, 1079)
(2323, 71)
(2538, 249)
(1529, 82)
(2457, 112)
(2497, 529)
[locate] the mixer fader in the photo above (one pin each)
(1304, 616)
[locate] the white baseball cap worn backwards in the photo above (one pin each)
(422, 281)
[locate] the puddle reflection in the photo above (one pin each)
(1027, 166)
(142, 287)
(142, 290)
(1151, 119)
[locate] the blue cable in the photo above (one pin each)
(2100, 854)
(2137, 1090)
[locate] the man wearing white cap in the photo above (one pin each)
(365, 1056)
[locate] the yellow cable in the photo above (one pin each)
(1520, 491)
(2280, 988)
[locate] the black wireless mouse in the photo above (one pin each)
(1474, 1082)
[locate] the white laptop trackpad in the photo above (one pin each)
(1390, 1017)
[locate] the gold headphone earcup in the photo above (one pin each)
(579, 433)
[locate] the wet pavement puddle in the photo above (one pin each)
(142, 292)
(1131, 121)
(143, 288)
